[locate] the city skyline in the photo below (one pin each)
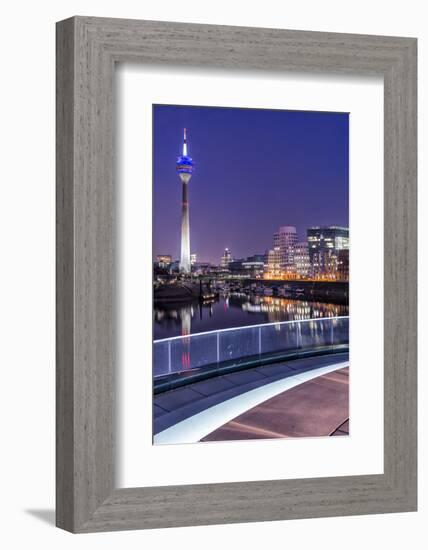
(217, 261)
(255, 170)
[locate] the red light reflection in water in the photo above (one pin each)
(185, 356)
(185, 360)
(186, 321)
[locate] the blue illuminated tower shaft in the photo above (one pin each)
(185, 169)
(185, 226)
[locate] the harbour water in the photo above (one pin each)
(235, 310)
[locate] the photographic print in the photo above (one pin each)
(250, 274)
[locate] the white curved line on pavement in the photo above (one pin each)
(193, 429)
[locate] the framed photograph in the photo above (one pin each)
(236, 274)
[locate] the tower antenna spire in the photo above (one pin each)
(184, 143)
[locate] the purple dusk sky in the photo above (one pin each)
(255, 170)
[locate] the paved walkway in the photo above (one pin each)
(316, 408)
(306, 397)
(176, 405)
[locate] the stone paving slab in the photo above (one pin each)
(213, 385)
(170, 401)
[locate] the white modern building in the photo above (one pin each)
(285, 240)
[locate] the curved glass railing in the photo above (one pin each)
(248, 344)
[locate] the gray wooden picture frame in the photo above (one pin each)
(87, 50)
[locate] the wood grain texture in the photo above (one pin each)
(64, 277)
(87, 49)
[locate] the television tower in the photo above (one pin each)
(184, 167)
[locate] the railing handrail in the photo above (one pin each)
(251, 326)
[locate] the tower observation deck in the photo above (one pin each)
(184, 166)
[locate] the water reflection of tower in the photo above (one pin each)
(186, 320)
(186, 323)
(184, 167)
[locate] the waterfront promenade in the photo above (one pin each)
(287, 379)
(306, 397)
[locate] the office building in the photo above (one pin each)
(225, 260)
(301, 260)
(164, 260)
(343, 265)
(272, 267)
(324, 245)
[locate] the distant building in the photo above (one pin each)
(193, 258)
(251, 267)
(343, 265)
(202, 268)
(225, 260)
(175, 266)
(302, 263)
(325, 244)
(256, 258)
(272, 266)
(255, 265)
(164, 260)
(285, 239)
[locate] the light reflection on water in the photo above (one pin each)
(230, 311)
